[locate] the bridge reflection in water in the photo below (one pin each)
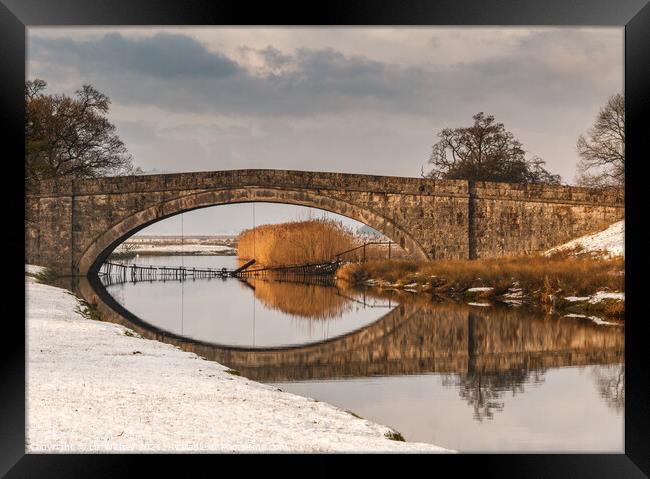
(417, 336)
(412, 339)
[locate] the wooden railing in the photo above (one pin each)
(363, 247)
(121, 273)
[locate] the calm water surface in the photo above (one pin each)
(462, 377)
(241, 313)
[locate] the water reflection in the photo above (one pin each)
(484, 391)
(610, 381)
(562, 414)
(493, 349)
(247, 313)
(473, 379)
(314, 297)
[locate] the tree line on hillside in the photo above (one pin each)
(72, 137)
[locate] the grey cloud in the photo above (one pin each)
(178, 73)
(547, 86)
(163, 55)
(274, 57)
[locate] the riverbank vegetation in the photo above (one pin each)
(296, 242)
(573, 284)
(41, 274)
(117, 255)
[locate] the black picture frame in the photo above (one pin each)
(634, 15)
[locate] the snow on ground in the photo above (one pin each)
(575, 299)
(603, 295)
(32, 269)
(595, 319)
(479, 289)
(609, 242)
(175, 248)
(514, 297)
(94, 386)
(597, 297)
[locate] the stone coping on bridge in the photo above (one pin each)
(298, 180)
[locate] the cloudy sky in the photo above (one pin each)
(357, 100)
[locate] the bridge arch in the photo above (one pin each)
(97, 252)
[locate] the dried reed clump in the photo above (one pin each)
(571, 275)
(296, 242)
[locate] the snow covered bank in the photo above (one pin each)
(199, 249)
(34, 270)
(609, 242)
(598, 297)
(99, 387)
(595, 319)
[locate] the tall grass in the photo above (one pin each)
(295, 242)
(571, 275)
(375, 252)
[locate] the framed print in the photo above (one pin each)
(379, 228)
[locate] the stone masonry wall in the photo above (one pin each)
(515, 219)
(73, 223)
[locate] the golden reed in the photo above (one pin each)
(571, 275)
(296, 242)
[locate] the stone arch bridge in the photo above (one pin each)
(73, 225)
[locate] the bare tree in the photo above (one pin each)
(610, 381)
(71, 136)
(602, 151)
(485, 151)
(484, 390)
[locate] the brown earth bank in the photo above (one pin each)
(560, 284)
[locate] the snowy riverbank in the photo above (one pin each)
(584, 278)
(170, 249)
(98, 387)
(606, 243)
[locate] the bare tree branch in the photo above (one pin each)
(602, 150)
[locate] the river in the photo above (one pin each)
(468, 378)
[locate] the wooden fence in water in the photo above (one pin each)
(113, 273)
